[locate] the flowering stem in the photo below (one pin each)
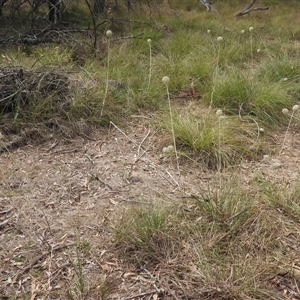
(219, 153)
(215, 77)
(106, 83)
(172, 127)
(150, 64)
(288, 128)
(251, 45)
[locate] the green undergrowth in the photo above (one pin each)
(223, 140)
(247, 67)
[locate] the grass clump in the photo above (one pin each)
(224, 244)
(284, 199)
(143, 235)
(224, 140)
(239, 94)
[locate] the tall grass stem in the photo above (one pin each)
(150, 63)
(215, 75)
(286, 132)
(165, 80)
(108, 33)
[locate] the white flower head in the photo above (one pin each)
(251, 28)
(285, 111)
(165, 80)
(261, 130)
(276, 165)
(220, 39)
(109, 33)
(295, 107)
(170, 148)
(208, 31)
(242, 31)
(258, 50)
(165, 150)
(266, 157)
(219, 112)
(285, 79)
(149, 41)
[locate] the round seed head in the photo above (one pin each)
(219, 112)
(220, 39)
(266, 157)
(165, 80)
(276, 165)
(171, 148)
(109, 33)
(251, 28)
(149, 41)
(165, 150)
(242, 31)
(295, 107)
(285, 111)
(258, 50)
(208, 31)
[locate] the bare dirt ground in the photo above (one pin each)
(57, 200)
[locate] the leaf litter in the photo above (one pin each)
(58, 200)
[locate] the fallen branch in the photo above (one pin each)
(6, 211)
(36, 260)
(140, 295)
(208, 5)
(48, 35)
(2, 224)
(248, 9)
(55, 273)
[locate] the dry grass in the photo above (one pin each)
(92, 220)
(94, 213)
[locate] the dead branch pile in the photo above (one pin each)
(19, 87)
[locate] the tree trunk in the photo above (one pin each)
(1, 6)
(99, 6)
(54, 12)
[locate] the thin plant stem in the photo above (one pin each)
(219, 153)
(287, 130)
(107, 75)
(150, 64)
(251, 46)
(215, 78)
(172, 128)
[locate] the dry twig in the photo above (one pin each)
(248, 9)
(6, 211)
(141, 143)
(140, 295)
(2, 224)
(208, 5)
(36, 260)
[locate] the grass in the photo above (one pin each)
(231, 245)
(199, 131)
(236, 233)
(144, 232)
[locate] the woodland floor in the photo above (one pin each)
(61, 195)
